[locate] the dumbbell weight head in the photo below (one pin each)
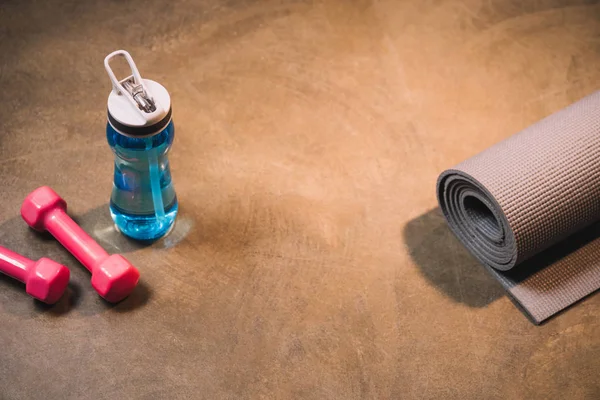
(115, 278)
(47, 280)
(37, 205)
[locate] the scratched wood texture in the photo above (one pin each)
(308, 260)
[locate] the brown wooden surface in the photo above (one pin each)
(308, 260)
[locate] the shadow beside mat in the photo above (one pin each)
(446, 263)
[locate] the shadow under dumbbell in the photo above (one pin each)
(17, 236)
(140, 296)
(17, 300)
(12, 283)
(66, 303)
(100, 226)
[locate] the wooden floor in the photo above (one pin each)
(309, 260)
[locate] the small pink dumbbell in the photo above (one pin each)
(46, 280)
(113, 277)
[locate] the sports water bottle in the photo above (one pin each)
(140, 132)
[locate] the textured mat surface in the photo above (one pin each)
(536, 189)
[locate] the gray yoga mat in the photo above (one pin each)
(528, 208)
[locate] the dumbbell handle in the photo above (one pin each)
(13, 264)
(70, 235)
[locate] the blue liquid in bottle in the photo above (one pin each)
(143, 203)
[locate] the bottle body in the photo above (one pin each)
(143, 202)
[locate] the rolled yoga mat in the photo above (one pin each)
(528, 208)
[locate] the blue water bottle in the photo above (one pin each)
(140, 132)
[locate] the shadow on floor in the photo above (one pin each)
(17, 236)
(98, 223)
(446, 263)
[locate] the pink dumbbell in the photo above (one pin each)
(46, 280)
(113, 277)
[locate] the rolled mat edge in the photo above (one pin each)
(528, 209)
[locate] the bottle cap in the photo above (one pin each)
(136, 107)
